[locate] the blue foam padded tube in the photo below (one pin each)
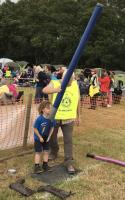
(78, 52)
(97, 11)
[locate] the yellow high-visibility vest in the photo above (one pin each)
(8, 73)
(68, 106)
(4, 89)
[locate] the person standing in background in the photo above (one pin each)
(94, 85)
(111, 88)
(41, 82)
(104, 87)
(50, 72)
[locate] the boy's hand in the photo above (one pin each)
(41, 140)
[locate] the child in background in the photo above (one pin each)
(40, 137)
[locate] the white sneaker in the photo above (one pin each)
(109, 106)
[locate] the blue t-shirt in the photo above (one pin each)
(53, 77)
(40, 124)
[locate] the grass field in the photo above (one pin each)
(102, 132)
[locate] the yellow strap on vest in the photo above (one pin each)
(68, 106)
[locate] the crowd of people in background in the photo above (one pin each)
(102, 86)
(90, 83)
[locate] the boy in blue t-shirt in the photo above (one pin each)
(40, 137)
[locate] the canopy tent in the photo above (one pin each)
(13, 65)
(4, 61)
(22, 64)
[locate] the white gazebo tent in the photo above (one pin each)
(3, 61)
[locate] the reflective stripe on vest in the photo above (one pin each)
(68, 106)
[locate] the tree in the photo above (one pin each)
(48, 31)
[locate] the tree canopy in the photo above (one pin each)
(48, 31)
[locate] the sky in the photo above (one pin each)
(1, 1)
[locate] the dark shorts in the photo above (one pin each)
(103, 94)
(39, 147)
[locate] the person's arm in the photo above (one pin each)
(78, 112)
(38, 135)
(49, 89)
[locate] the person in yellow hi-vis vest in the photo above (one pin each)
(67, 113)
(8, 73)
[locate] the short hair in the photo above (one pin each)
(51, 68)
(43, 105)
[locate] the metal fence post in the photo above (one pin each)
(29, 103)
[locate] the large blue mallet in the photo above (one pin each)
(96, 13)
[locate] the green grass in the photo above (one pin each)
(101, 132)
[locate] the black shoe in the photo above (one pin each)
(37, 169)
(46, 167)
